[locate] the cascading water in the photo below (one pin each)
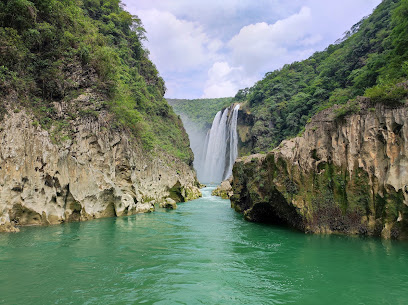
(233, 142)
(214, 162)
(221, 147)
(216, 151)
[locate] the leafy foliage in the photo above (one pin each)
(388, 93)
(52, 50)
(200, 111)
(374, 54)
(351, 107)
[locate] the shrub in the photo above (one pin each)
(347, 109)
(388, 93)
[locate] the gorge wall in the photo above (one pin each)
(98, 172)
(346, 174)
(85, 131)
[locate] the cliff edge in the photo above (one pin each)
(84, 129)
(348, 173)
(97, 172)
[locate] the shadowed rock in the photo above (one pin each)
(347, 175)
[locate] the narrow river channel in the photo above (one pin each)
(201, 253)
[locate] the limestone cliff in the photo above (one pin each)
(224, 190)
(98, 171)
(245, 123)
(345, 174)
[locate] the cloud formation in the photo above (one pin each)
(224, 80)
(261, 44)
(212, 49)
(175, 44)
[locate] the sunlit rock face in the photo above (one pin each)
(224, 190)
(347, 175)
(99, 172)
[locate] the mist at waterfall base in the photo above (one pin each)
(215, 151)
(197, 139)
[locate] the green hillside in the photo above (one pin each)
(52, 51)
(200, 111)
(371, 60)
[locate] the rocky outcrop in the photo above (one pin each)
(98, 171)
(224, 190)
(244, 129)
(345, 174)
(169, 204)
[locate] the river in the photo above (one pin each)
(201, 253)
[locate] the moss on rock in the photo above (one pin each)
(336, 178)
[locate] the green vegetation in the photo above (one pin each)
(370, 60)
(329, 199)
(351, 107)
(54, 50)
(388, 93)
(200, 111)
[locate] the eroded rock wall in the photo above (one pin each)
(224, 190)
(98, 172)
(347, 175)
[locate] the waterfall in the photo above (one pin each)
(214, 163)
(233, 142)
(221, 147)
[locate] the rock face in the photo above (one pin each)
(99, 172)
(245, 124)
(224, 190)
(346, 175)
(169, 204)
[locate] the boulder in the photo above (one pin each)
(169, 204)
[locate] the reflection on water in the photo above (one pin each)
(201, 253)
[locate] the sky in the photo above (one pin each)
(213, 48)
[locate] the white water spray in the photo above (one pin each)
(221, 147)
(233, 142)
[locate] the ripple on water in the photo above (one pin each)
(201, 253)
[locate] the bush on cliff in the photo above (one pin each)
(392, 94)
(54, 50)
(373, 54)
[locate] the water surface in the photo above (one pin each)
(201, 253)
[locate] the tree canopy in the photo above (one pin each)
(52, 50)
(370, 60)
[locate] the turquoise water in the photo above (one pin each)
(201, 253)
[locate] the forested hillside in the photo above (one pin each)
(52, 51)
(201, 112)
(371, 60)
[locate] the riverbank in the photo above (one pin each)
(203, 252)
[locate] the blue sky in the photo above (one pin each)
(213, 48)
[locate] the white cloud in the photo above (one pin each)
(220, 18)
(311, 40)
(264, 45)
(219, 82)
(213, 48)
(224, 80)
(175, 44)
